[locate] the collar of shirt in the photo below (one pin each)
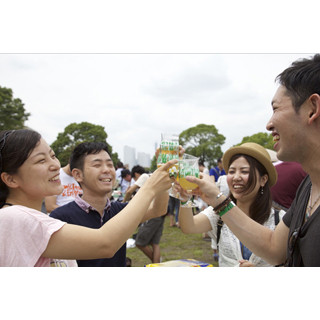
(85, 206)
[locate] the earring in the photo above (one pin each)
(261, 191)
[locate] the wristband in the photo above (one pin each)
(230, 205)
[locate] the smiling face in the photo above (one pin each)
(38, 176)
(238, 179)
(98, 174)
(286, 126)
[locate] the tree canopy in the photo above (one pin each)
(203, 141)
(76, 133)
(263, 138)
(13, 113)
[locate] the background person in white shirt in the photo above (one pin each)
(139, 175)
(71, 189)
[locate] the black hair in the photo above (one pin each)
(260, 208)
(301, 79)
(125, 172)
(137, 169)
(16, 147)
(119, 164)
(82, 150)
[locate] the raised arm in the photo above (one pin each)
(130, 192)
(76, 242)
(187, 221)
(265, 243)
(193, 224)
(158, 206)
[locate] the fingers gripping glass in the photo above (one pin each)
(2, 144)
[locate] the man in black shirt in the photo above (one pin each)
(295, 126)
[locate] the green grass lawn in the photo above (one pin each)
(176, 245)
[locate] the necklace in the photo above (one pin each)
(310, 206)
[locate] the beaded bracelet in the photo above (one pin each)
(222, 205)
(230, 205)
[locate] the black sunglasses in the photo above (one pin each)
(2, 144)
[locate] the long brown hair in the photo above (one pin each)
(260, 208)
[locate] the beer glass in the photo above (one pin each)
(169, 148)
(188, 166)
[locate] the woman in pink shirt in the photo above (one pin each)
(29, 172)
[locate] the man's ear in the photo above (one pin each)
(314, 112)
(77, 174)
(9, 180)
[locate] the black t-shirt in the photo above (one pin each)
(306, 251)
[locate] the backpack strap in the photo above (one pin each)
(219, 226)
(217, 172)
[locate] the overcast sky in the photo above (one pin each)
(136, 97)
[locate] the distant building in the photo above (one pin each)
(129, 156)
(143, 159)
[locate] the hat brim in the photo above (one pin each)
(265, 160)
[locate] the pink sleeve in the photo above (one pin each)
(24, 235)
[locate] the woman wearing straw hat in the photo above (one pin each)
(250, 174)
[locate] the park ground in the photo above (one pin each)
(176, 245)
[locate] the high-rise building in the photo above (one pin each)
(129, 156)
(143, 159)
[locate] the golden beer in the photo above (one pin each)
(187, 185)
(169, 149)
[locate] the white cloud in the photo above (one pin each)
(138, 96)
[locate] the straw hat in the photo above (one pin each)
(255, 151)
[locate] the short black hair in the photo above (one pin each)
(137, 169)
(125, 172)
(119, 164)
(82, 150)
(301, 79)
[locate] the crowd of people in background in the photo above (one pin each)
(255, 211)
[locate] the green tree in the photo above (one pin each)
(153, 165)
(76, 133)
(263, 138)
(203, 141)
(13, 114)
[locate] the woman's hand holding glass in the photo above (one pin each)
(206, 190)
(180, 193)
